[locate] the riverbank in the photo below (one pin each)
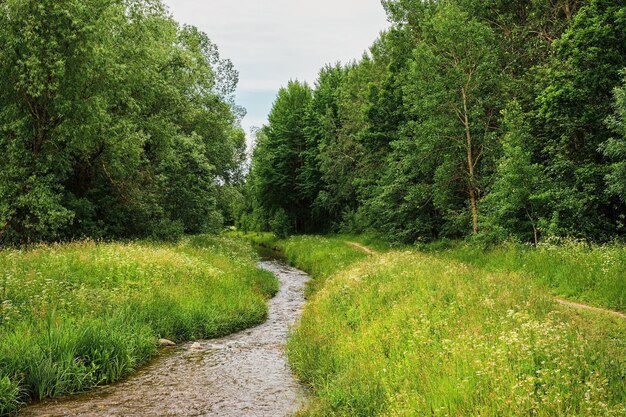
(593, 275)
(242, 374)
(85, 314)
(410, 333)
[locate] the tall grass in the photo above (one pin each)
(590, 274)
(319, 256)
(413, 334)
(79, 315)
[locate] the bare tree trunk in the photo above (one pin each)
(470, 164)
(474, 206)
(534, 226)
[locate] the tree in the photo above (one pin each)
(571, 111)
(452, 97)
(515, 202)
(279, 159)
(107, 107)
(322, 124)
(615, 148)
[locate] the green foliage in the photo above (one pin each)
(615, 148)
(85, 314)
(515, 203)
(9, 391)
(411, 334)
(115, 121)
(281, 224)
(412, 141)
(279, 162)
(571, 115)
(450, 95)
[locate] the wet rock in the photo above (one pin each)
(165, 343)
(196, 346)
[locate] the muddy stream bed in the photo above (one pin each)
(244, 374)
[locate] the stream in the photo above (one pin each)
(244, 374)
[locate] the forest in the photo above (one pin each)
(115, 122)
(491, 120)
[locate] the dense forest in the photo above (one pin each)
(115, 122)
(504, 120)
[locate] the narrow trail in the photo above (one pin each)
(579, 306)
(362, 248)
(566, 303)
(245, 374)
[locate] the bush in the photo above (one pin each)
(281, 224)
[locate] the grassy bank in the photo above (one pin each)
(412, 334)
(590, 274)
(79, 315)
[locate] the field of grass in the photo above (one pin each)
(78, 315)
(406, 333)
(590, 274)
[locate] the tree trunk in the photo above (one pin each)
(474, 206)
(470, 165)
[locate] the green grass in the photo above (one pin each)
(266, 239)
(370, 240)
(589, 274)
(79, 315)
(319, 256)
(413, 334)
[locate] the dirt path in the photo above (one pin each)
(561, 301)
(579, 306)
(245, 374)
(362, 248)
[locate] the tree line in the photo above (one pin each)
(115, 122)
(503, 119)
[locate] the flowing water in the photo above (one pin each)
(245, 374)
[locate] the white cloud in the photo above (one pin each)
(273, 41)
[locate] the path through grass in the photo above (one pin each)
(413, 334)
(594, 275)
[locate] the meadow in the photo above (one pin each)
(408, 333)
(592, 274)
(74, 316)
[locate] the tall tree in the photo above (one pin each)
(515, 204)
(279, 160)
(107, 106)
(452, 96)
(571, 114)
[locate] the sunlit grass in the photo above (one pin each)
(320, 257)
(78, 315)
(412, 334)
(586, 273)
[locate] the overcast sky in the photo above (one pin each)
(273, 41)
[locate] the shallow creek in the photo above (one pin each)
(245, 374)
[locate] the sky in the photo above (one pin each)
(273, 41)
